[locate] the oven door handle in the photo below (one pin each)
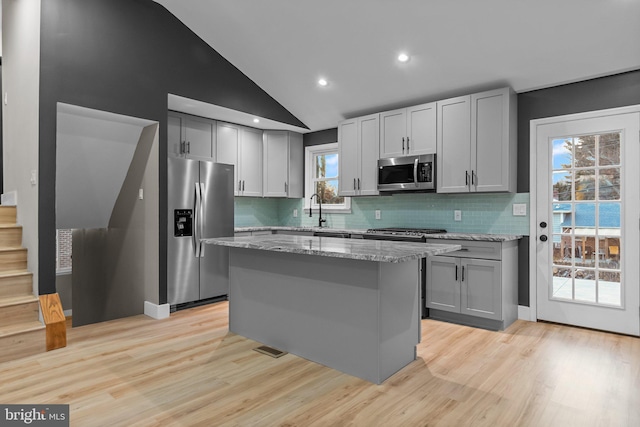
(415, 172)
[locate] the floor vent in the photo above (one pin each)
(270, 351)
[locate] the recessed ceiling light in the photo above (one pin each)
(403, 57)
(256, 120)
(323, 82)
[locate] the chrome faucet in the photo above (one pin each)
(320, 219)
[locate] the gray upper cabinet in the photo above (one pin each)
(408, 131)
(283, 164)
(476, 143)
(191, 137)
(358, 141)
(242, 147)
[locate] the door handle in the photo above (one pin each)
(196, 221)
(201, 219)
(543, 238)
(415, 172)
(543, 224)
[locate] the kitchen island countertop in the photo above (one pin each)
(357, 249)
(486, 237)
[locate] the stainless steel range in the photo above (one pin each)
(401, 234)
(408, 235)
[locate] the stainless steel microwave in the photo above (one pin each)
(410, 173)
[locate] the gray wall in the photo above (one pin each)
(115, 269)
(125, 56)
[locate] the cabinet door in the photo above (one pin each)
(454, 145)
(443, 283)
(228, 137)
(250, 162)
(393, 133)
(421, 129)
(200, 139)
(368, 143)
(276, 155)
(295, 167)
(348, 157)
(491, 146)
(174, 135)
(481, 288)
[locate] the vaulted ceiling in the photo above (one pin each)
(455, 47)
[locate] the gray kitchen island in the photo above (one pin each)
(351, 305)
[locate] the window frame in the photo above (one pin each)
(309, 155)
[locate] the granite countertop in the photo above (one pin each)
(357, 249)
(447, 236)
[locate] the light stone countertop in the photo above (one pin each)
(447, 236)
(357, 249)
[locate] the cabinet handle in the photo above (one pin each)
(463, 273)
(407, 143)
(466, 178)
(403, 144)
(243, 185)
(188, 147)
(473, 173)
(239, 185)
(456, 273)
(354, 184)
(285, 187)
(358, 183)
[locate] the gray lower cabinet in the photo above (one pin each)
(475, 286)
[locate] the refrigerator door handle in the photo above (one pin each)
(197, 220)
(201, 225)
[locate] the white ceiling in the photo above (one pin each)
(456, 47)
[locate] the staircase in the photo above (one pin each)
(21, 333)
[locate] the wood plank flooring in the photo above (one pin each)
(189, 370)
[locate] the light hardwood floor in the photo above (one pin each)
(189, 370)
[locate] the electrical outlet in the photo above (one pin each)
(457, 215)
(519, 209)
(140, 194)
(377, 213)
(295, 213)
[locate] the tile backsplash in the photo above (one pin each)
(481, 213)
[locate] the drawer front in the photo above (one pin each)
(473, 248)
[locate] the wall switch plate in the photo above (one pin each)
(140, 194)
(34, 175)
(457, 215)
(295, 213)
(377, 213)
(519, 209)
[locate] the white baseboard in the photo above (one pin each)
(156, 311)
(524, 313)
(9, 199)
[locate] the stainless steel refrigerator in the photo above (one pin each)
(200, 203)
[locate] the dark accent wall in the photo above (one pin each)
(613, 91)
(326, 136)
(125, 56)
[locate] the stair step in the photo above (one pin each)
(10, 236)
(13, 259)
(16, 283)
(8, 214)
(18, 309)
(22, 340)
